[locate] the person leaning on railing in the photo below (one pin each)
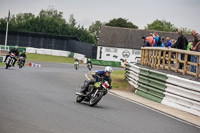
(146, 42)
(181, 43)
(195, 46)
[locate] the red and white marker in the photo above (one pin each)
(34, 65)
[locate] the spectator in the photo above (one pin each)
(181, 43)
(125, 63)
(163, 42)
(189, 44)
(146, 42)
(188, 48)
(169, 43)
(195, 46)
(173, 42)
(162, 45)
(151, 39)
(157, 39)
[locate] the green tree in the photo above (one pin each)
(72, 21)
(186, 30)
(120, 22)
(95, 28)
(48, 21)
(161, 25)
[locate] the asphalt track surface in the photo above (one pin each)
(42, 100)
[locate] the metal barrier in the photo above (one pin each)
(157, 57)
(166, 89)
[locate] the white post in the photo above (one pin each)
(6, 35)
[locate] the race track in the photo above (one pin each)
(42, 100)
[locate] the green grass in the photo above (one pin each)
(49, 58)
(118, 81)
(1, 64)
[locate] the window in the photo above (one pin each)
(137, 52)
(114, 50)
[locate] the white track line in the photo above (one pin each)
(163, 113)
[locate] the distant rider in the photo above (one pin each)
(89, 61)
(76, 62)
(103, 74)
(23, 54)
(15, 51)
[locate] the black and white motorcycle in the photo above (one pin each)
(94, 92)
(10, 60)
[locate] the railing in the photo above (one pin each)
(158, 57)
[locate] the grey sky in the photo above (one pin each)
(181, 13)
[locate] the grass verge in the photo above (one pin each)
(49, 58)
(119, 82)
(2, 64)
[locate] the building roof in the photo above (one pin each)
(129, 38)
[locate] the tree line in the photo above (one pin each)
(51, 21)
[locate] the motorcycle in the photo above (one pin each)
(94, 93)
(89, 66)
(76, 65)
(10, 60)
(21, 62)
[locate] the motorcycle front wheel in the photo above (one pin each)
(7, 65)
(94, 100)
(79, 99)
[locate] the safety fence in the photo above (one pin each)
(48, 41)
(169, 58)
(164, 88)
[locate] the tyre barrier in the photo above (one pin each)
(34, 65)
(164, 88)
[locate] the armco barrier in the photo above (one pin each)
(55, 53)
(166, 89)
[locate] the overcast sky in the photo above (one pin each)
(181, 13)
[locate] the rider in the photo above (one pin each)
(89, 61)
(103, 74)
(76, 61)
(15, 51)
(23, 54)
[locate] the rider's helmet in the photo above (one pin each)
(108, 69)
(23, 51)
(88, 59)
(16, 47)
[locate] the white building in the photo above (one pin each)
(118, 44)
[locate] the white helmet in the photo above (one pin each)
(108, 69)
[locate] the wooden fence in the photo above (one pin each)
(158, 57)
